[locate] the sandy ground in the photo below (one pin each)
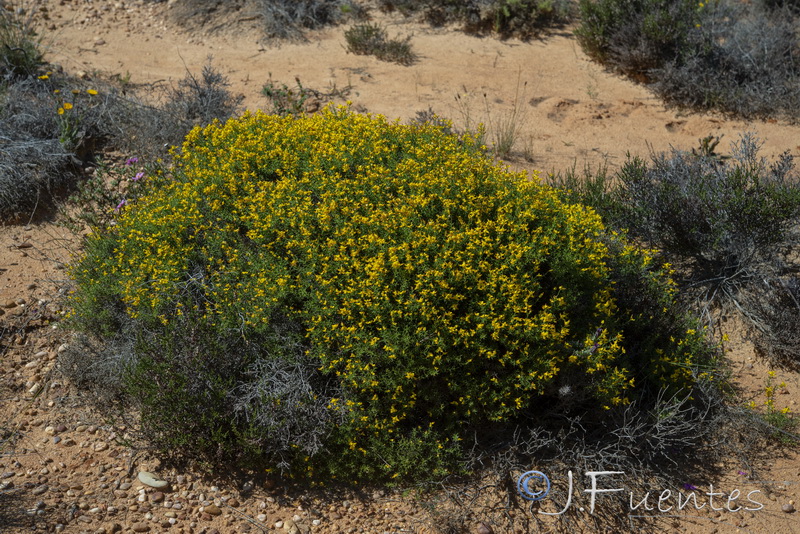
(569, 112)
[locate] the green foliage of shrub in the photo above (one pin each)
(636, 36)
(730, 56)
(408, 290)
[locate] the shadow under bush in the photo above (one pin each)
(344, 297)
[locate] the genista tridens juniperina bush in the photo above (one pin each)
(341, 295)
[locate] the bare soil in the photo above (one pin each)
(68, 469)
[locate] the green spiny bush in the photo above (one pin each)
(339, 294)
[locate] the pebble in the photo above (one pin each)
(140, 527)
(39, 490)
(157, 496)
(788, 508)
(212, 509)
(149, 479)
(483, 528)
(100, 446)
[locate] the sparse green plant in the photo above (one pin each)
(98, 198)
(781, 420)
(593, 187)
(55, 125)
(285, 100)
(471, 124)
(506, 128)
(371, 40)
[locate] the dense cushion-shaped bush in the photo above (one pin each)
(402, 287)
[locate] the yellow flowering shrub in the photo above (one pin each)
(435, 289)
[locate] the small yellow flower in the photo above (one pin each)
(44, 77)
(91, 92)
(57, 91)
(67, 106)
(60, 111)
(76, 91)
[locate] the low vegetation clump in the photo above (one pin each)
(343, 296)
(509, 18)
(371, 40)
(730, 56)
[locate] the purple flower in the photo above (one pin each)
(139, 176)
(131, 161)
(122, 203)
(690, 487)
(742, 473)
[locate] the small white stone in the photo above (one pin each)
(149, 479)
